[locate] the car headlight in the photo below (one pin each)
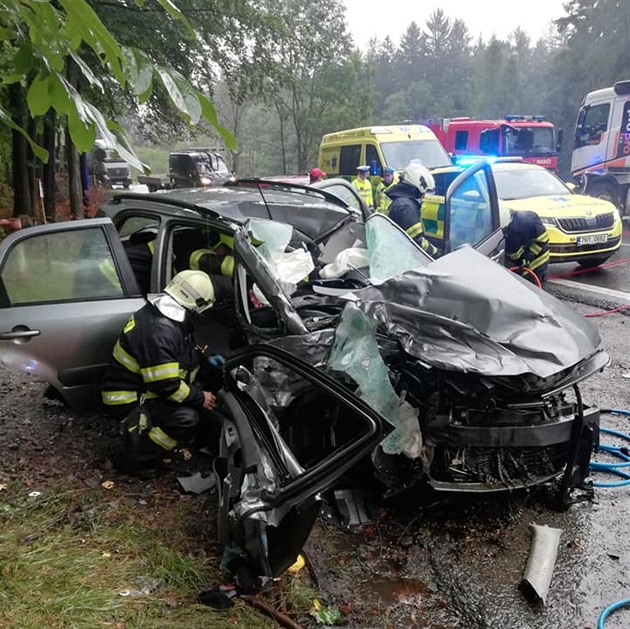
(205, 181)
(547, 220)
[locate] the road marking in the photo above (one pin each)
(599, 290)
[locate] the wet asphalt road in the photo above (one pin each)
(614, 275)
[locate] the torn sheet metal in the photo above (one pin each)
(356, 353)
(464, 312)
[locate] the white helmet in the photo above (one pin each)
(192, 290)
(419, 177)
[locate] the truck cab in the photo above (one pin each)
(197, 168)
(600, 163)
(532, 138)
(107, 168)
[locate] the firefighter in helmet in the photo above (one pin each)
(406, 195)
(151, 383)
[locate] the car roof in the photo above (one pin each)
(314, 211)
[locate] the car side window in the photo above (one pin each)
(61, 266)
(471, 213)
(592, 122)
(345, 194)
(349, 159)
(135, 224)
(373, 160)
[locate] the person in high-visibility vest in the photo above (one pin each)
(363, 186)
(389, 180)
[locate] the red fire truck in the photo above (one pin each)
(530, 137)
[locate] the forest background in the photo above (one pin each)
(281, 73)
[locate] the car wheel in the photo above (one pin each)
(590, 263)
(604, 191)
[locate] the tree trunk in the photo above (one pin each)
(49, 171)
(75, 188)
(75, 183)
(22, 201)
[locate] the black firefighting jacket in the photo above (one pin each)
(527, 243)
(154, 356)
(405, 212)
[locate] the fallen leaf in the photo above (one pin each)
(108, 484)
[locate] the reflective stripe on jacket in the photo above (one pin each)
(405, 212)
(527, 243)
(156, 357)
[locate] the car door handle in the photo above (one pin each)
(18, 334)
(497, 256)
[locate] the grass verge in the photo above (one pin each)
(67, 557)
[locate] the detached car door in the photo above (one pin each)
(66, 290)
(289, 432)
(472, 213)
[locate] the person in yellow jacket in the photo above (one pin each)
(388, 180)
(363, 186)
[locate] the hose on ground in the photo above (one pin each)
(613, 607)
(613, 468)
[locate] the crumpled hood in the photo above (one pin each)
(464, 312)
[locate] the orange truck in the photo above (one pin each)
(532, 138)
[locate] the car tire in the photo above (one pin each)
(604, 191)
(591, 263)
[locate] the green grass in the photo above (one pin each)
(65, 557)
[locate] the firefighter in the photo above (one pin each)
(363, 186)
(382, 200)
(151, 381)
(406, 195)
(527, 245)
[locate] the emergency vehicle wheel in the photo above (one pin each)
(604, 191)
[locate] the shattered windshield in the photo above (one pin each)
(391, 252)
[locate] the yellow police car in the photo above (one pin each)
(581, 229)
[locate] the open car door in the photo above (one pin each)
(290, 431)
(66, 290)
(472, 213)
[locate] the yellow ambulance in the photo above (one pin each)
(394, 145)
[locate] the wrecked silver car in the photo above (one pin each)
(470, 375)
(350, 350)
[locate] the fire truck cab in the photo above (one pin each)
(530, 137)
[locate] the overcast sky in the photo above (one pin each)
(366, 18)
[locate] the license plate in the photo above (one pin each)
(595, 239)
